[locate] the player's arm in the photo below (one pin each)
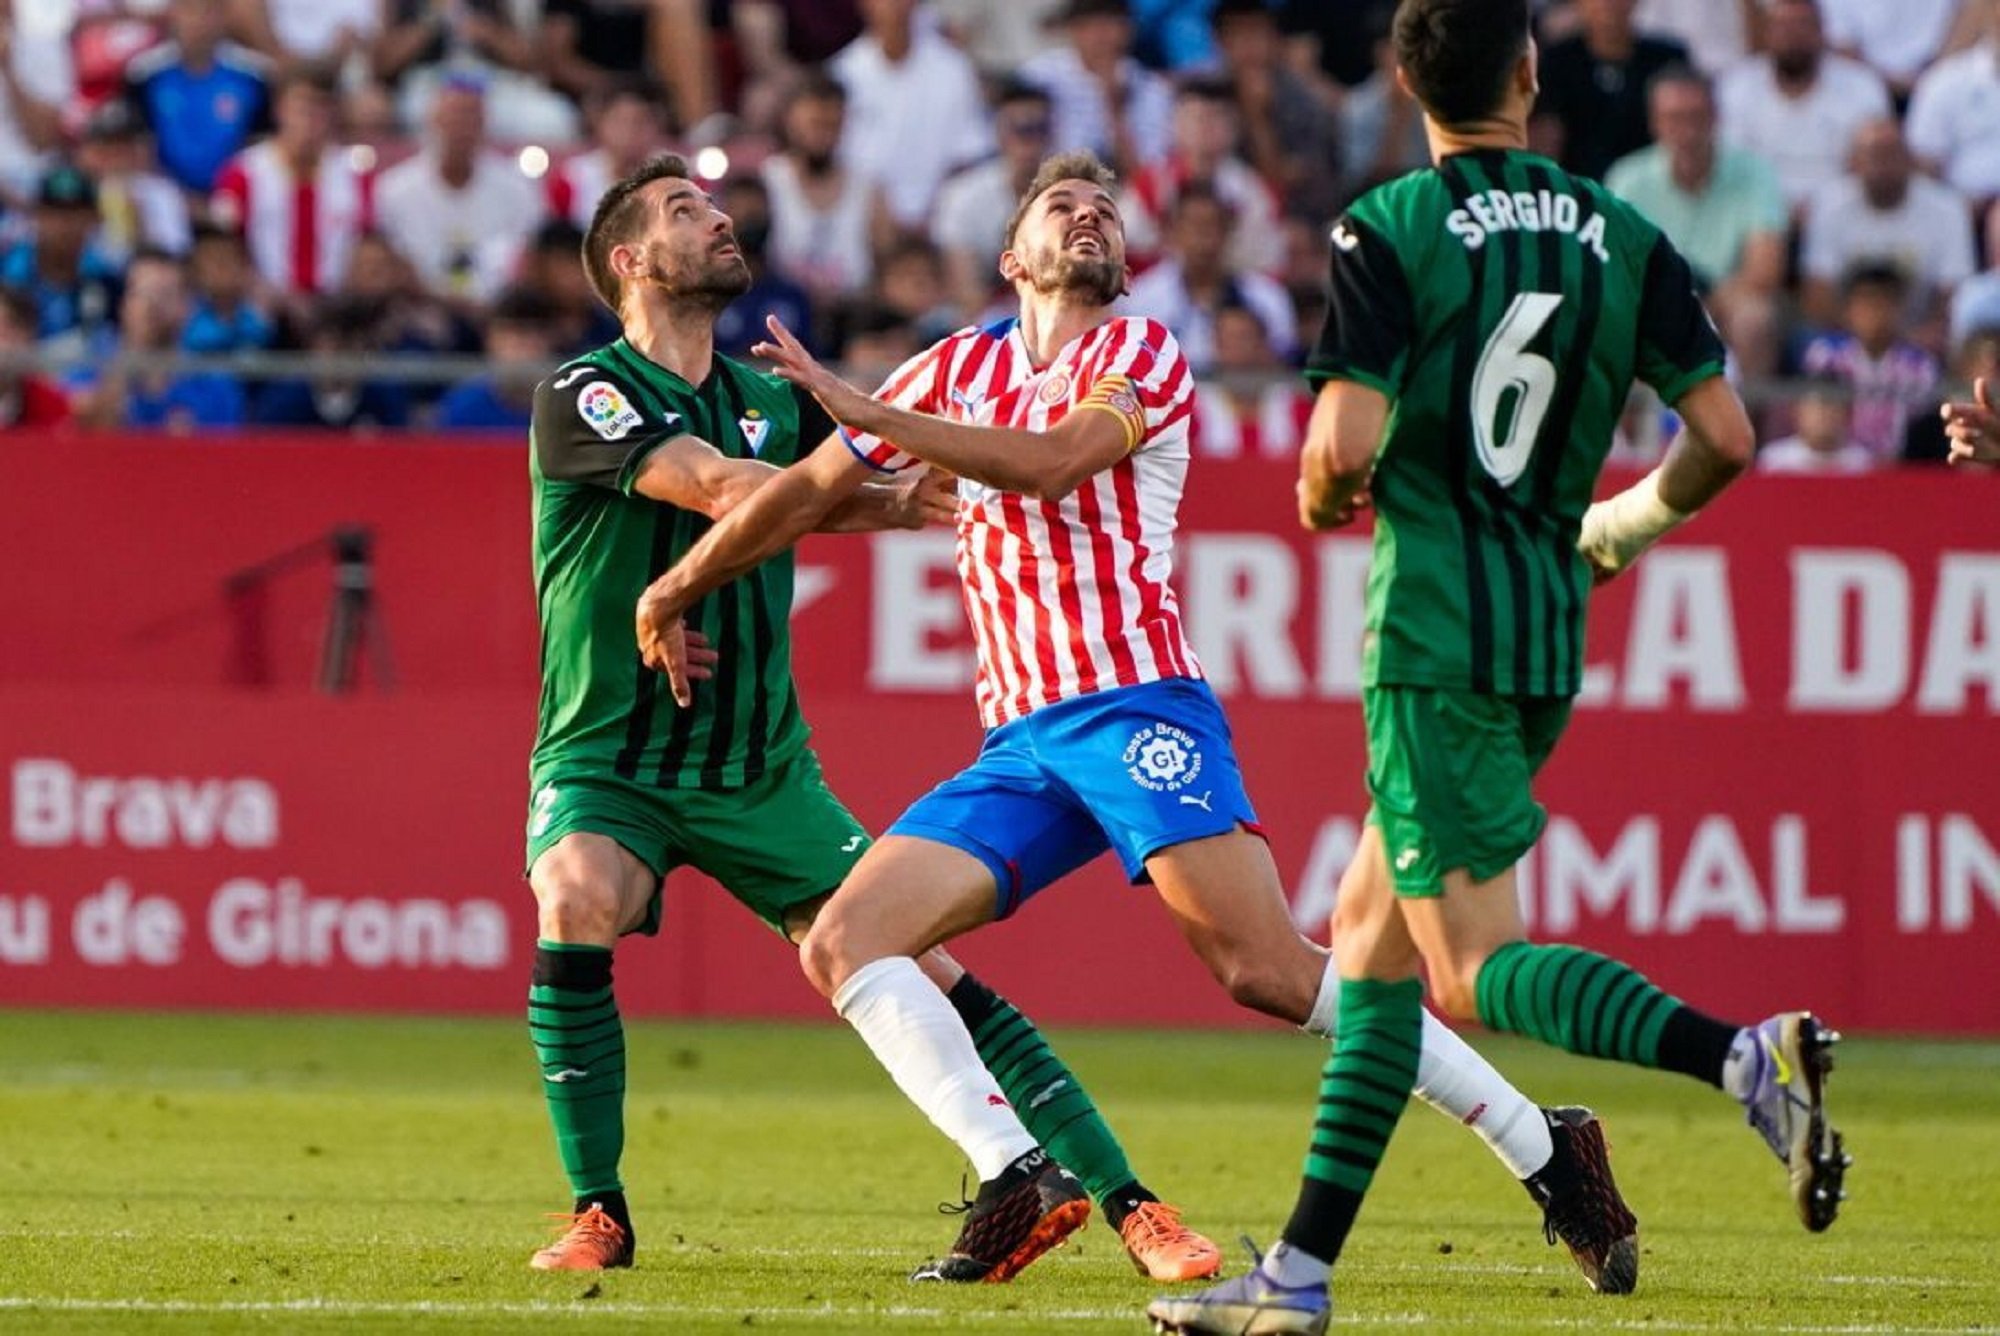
(690, 473)
(766, 522)
(1681, 356)
(1358, 365)
(1104, 427)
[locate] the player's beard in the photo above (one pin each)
(703, 280)
(1100, 279)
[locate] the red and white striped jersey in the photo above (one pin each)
(301, 234)
(577, 183)
(1072, 596)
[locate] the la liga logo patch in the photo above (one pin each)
(604, 407)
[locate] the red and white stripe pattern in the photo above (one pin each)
(576, 185)
(1072, 596)
(301, 232)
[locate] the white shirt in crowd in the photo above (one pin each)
(1083, 118)
(827, 250)
(309, 29)
(1805, 138)
(1161, 293)
(464, 242)
(1975, 306)
(1928, 236)
(1897, 37)
(1712, 30)
(910, 123)
(42, 69)
(1954, 115)
(1793, 455)
(972, 212)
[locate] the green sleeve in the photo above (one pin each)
(589, 427)
(1369, 315)
(1678, 345)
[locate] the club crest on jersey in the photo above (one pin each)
(1054, 388)
(1162, 758)
(755, 427)
(604, 407)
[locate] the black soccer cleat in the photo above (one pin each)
(1030, 1208)
(1581, 1205)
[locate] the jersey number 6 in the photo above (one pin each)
(1505, 426)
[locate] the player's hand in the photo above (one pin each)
(1319, 512)
(1600, 574)
(928, 500)
(790, 360)
(668, 646)
(1974, 428)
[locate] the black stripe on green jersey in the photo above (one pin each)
(1456, 172)
(1499, 500)
(760, 636)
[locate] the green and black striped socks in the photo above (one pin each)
(1362, 1091)
(573, 1020)
(1600, 1008)
(1046, 1095)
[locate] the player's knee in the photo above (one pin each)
(1455, 990)
(574, 906)
(821, 956)
(1266, 986)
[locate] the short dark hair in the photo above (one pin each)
(1459, 54)
(1875, 275)
(1076, 165)
(1680, 72)
(522, 306)
(616, 220)
(1206, 88)
(18, 308)
(1016, 89)
(316, 75)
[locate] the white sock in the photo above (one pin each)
(1293, 1268)
(1743, 1069)
(1456, 1081)
(916, 1035)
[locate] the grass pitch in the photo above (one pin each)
(198, 1174)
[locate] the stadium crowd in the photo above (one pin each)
(384, 179)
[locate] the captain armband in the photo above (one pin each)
(1115, 395)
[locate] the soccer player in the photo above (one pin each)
(1488, 318)
(1069, 427)
(637, 448)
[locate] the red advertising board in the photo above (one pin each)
(1779, 790)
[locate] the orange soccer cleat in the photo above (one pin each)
(593, 1242)
(1163, 1248)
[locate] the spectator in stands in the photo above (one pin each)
(329, 34)
(202, 97)
(1883, 212)
(1304, 274)
(825, 215)
(1889, 375)
(60, 262)
(423, 44)
(334, 395)
(152, 319)
(1955, 108)
(1290, 134)
(1825, 440)
(970, 221)
(35, 81)
(1334, 40)
(777, 41)
(1204, 150)
(1978, 358)
(1717, 33)
(1382, 134)
(1174, 35)
(1899, 39)
(296, 196)
(225, 316)
(1000, 38)
(408, 319)
(1721, 206)
(589, 43)
(1194, 281)
(1976, 304)
(459, 212)
(553, 267)
(26, 399)
(741, 324)
(137, 207)
(915, 113)
(1248, 406)
(626, 128)
(1592, 110)
(517, 342)
(877, 342)
(1798, 106)
(1105, 100)
(910, 285)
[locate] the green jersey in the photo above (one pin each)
(598, 544)
(1505, 308)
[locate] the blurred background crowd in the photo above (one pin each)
(398, 188)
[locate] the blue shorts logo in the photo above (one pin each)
(1162, 758)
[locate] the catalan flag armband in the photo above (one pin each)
(1115, 394)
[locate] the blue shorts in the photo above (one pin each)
(1134, 769)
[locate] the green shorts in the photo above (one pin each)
(1451, 776)
(773, 844)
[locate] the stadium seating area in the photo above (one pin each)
(396, 180)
